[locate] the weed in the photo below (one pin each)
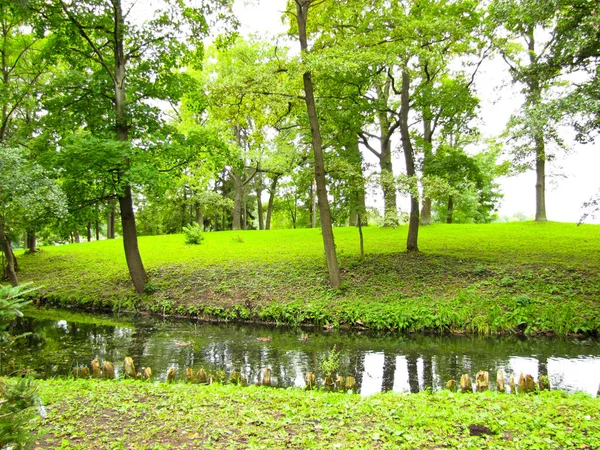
(331, 363)
(507, 282)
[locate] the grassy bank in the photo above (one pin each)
(134, 415)
(525, 277)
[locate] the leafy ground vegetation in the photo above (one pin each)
(518, 277)
(85, 414)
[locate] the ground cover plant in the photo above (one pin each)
(524, 277)
(135, 415)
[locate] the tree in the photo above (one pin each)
(301, 14)
(536, 125)
(462, 186)
(124, 65)
(402, 51)
(29, 199)
(577, 50)
(25, 60)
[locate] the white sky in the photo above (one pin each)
(499, 99)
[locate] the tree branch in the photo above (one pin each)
(85, 36)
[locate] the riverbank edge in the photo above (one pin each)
(390, 317)
(135, 415)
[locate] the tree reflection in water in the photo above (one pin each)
(378, 362)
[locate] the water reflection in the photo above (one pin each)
(59, 341)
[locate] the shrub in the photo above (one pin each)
(16, 410)
(193, 234)
(17, 397)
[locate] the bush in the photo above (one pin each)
(193, 234)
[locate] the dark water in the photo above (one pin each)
(60, 340)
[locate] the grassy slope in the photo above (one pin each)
(87, 414)
(473, 278)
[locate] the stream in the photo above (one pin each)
(61, 339)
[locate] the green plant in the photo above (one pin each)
(237, 238)
(193, 234)
(523, 300)
(11, 301)
(507, 282)
(150, 288)
(16, 397)
(331, 363)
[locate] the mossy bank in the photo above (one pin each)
(495, 278)
(85, 414)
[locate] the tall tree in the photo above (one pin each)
(533, 24)
(302, 8)
(128, 64)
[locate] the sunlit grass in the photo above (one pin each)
(467, 277)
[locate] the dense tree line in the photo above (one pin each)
(118, 121)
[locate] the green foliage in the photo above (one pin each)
(194, 235)
(11, 301)
(29, 196)
(17, 395)
(16, 411)
(331, 363)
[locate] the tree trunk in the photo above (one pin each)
(15, 260)
(237, 206)
(130, 241)
(388, 186)
(184, 221)
(110, 225)
(326, 228)
(450, 209)
(89, 231)
(426, 218)
(413, 225)
(360, 235)
(272, 190)
(76, 236)
(199, 215)
(97, 228)
(357, 203)
(259, 189)
(313, 209)
(8, 254)
(245, 210)
(31, 241)
(535, 98)
(540, 185)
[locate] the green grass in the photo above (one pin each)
(85, 414)
(526, 277)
